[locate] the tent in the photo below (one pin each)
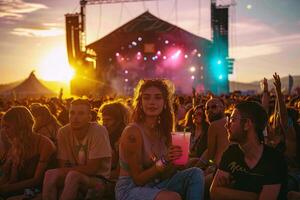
(30, 87)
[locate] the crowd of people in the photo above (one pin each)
(241, 147)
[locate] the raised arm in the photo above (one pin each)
(282, 107)
(265, 95)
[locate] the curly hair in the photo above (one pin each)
(166, 117)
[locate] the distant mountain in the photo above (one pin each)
(234, 86)
(255, 85)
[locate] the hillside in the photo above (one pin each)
(234, 86)
(255, 85)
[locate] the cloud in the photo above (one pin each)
(41, 32)
(243, 52)
(250, 27)
(14, 9)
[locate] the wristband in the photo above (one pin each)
(164, 161)
(159, 165)
(203, 161)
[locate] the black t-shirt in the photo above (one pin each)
(270, 169)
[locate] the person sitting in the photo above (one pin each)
(84, 156)
(249, 169)
(28, 156)
(114, 116)
(146, 153)
(45, 123)
(199, 132)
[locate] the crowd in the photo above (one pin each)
(241, 147)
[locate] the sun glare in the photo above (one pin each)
(55, 66)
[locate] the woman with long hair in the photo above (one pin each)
(114, 115)
(146, 152)
(28, 155)
(198, 128)
(45, 123)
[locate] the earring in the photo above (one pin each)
(158, 120)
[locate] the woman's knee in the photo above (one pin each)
(166, 195)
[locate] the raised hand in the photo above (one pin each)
(264, 85)
(277, 82)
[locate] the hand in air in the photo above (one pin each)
(277, 82)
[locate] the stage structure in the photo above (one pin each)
(148, 47)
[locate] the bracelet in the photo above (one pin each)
(159, 165)
(164, 161)
(203, 161)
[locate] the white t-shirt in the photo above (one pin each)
(95, 145)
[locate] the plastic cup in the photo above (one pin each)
(182, 139)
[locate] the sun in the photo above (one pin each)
(55, 66)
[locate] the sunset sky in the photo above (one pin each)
(264, 34)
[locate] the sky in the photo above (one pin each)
(264, 34)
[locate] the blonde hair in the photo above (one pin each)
(22, 121)
(42, 116)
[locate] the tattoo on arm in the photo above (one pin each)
(131, 139)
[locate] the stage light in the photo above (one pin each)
(199, 55)
(117, 54)
(219, 62)
(249, 6)
(201, 68)
(139, 53)
(164, 57)
(192, 69)
(110, 59)
(126, 80)
(126, 71)
(145, 58)
(158, 53)
(166, 41)
(186, 56)
(176, 55)
(220, 77)
(192, 77)
(201, 77)
(140, 39)
(134, 43)
(122, 59)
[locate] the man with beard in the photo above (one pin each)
(84, 156)
(249, 169)
(217, 137)
(217, 141)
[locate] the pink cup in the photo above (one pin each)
(182, 139)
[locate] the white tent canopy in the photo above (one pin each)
(30, 87)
